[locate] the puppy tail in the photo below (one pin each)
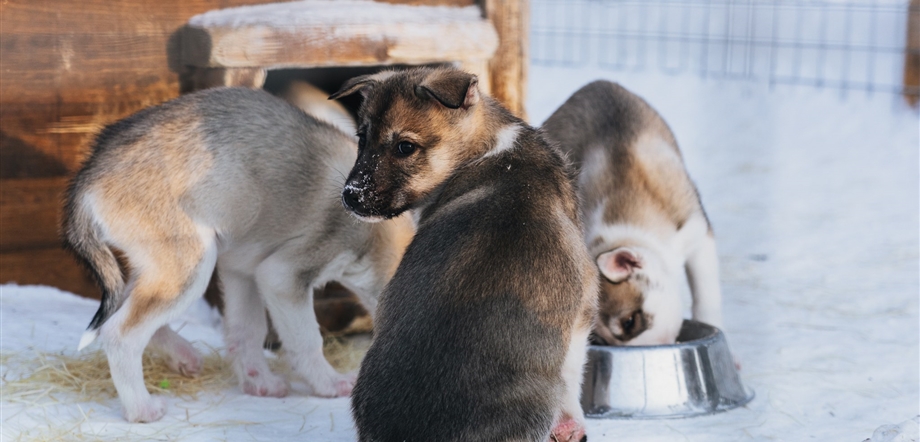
(88, 337)
(83, 236)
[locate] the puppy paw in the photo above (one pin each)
(338, 385)
(150, 410)
(568, 430)
(344, 386)
(185, 360)
(257, 383)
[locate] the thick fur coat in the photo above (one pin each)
(481, 334)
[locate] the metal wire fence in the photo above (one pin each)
(850, 45)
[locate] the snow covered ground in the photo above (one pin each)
(815, 200)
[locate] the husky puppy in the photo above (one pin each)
(314, 101)
(643, 216)
(233, 178)
(481, 334)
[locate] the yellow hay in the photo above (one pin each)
(345, 354)
(87, 375)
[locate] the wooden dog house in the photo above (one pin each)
(238, 46)
(69, 68)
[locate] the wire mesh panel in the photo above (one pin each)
(849, 45)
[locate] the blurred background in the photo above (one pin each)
(849, 46)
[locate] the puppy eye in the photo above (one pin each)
(629, 322)
(405, 148)
(362, 141)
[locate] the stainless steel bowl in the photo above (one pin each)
(693, 377)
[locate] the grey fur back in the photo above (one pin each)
(604, 116)
(260, 159)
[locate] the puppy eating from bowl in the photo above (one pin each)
(644, 222)
(481, 334)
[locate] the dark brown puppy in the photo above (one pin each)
(481, 334)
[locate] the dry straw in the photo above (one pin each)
(45, 376)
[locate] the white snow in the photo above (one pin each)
(38, 318)
(308, 13)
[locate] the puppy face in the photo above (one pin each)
(414, 128)
(639, 303)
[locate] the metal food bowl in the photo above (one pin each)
(696, 376)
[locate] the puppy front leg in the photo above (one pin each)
(702, 269)
(288, 292)
(245, 326)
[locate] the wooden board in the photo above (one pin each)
(30, 247)
(53, 267)
(317, 36)
(912, 58)
(31, 208)
(70, 67)
(508, 67)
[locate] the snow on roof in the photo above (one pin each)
(325, 12)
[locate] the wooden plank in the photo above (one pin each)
(509, 65)
(431, 2)
(30, 212)
(35, 71)
(25, 151)
(912, 57)
(69, 67)
(342, 46)
(413, 36)
(102, 16)
(83, 53)
(52, 139)
(203, 78)
(52, 266)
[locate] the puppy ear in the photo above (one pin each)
(452, 88)
(618, 264)
(354, 85)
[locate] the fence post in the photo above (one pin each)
(508, 67)
(912, 55)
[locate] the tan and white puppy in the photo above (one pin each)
(481, 334)
(315, 102)
(235, 179)
(644, 223)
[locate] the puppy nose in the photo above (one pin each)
(350, 198)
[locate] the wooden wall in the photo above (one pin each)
(69, 67)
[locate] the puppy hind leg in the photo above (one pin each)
(245, 327)
(288, 295)
(179, 354)
(165, 288)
